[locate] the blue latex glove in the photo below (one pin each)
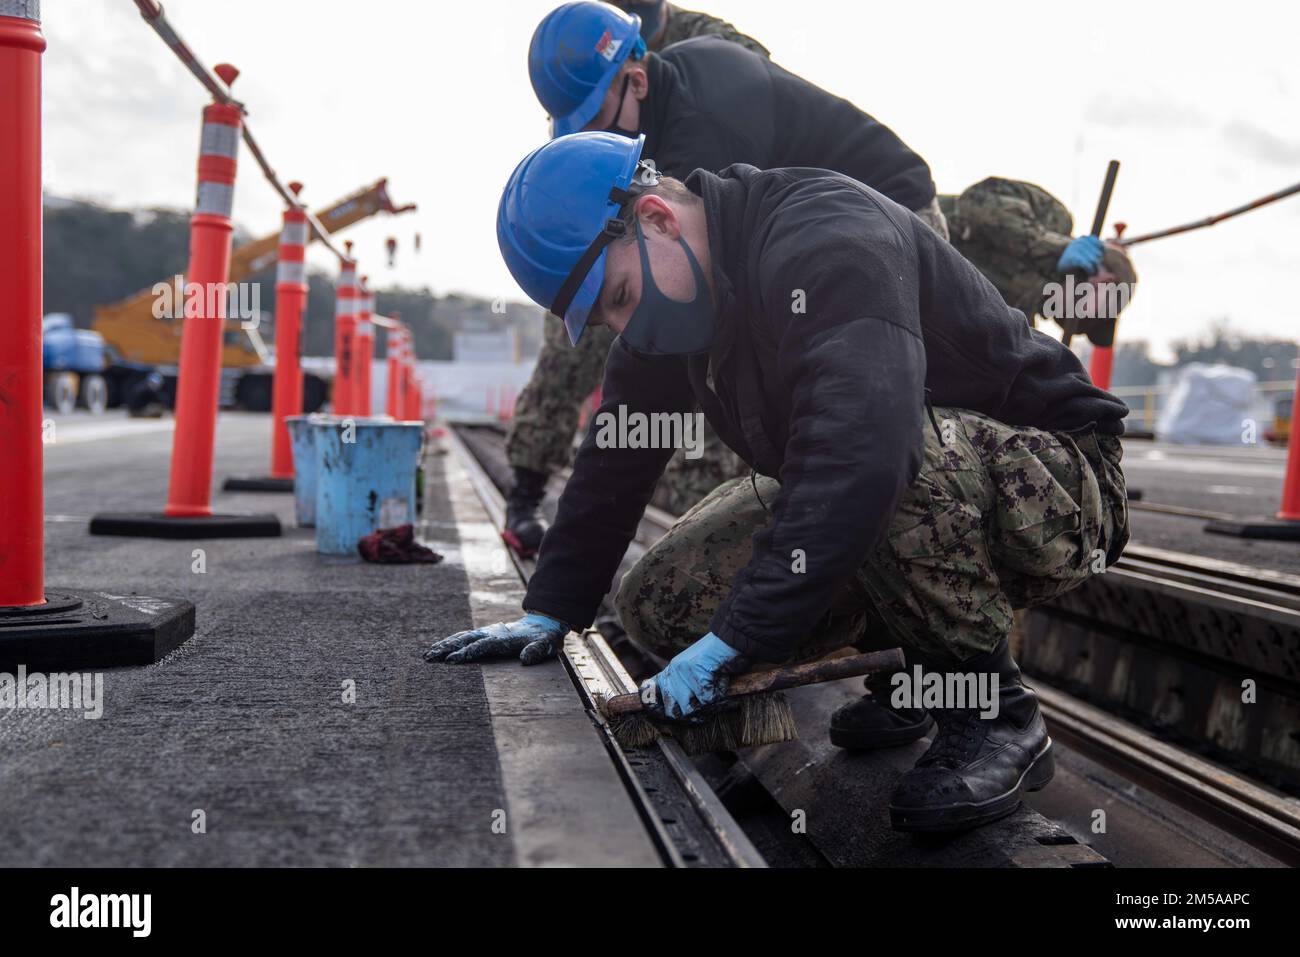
(695, 679)
(534, 638)
(1083, 252)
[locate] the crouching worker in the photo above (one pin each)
(931, 461)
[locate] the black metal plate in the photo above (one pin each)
(157, 525)
(1277, 530)
(266, 484)
(93, 630)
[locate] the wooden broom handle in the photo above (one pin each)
(759, 682)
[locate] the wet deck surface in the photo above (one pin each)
(1243, 482)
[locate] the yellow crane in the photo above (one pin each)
(143, 340)
(131, 328)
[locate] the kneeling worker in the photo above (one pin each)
(930, 455)
(702, 104)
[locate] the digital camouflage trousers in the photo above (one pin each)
(998, 518)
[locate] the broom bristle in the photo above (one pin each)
(752, 721)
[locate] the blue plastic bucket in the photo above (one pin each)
(365, 479)
(305, 466)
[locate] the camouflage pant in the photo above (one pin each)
(932, 216)
(546, 417)
(998, 518)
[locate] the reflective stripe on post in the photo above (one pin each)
(23, 10)
(22, 521)
(198, 385)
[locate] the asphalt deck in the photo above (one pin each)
(247, 722)
(1244, 482)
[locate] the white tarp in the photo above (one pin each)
(1210, 405)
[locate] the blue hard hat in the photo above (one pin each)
(575, 53)
(559, 211)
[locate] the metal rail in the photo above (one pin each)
(1258, 817)
(595, 670)
(1181, 511)
(1280, 584)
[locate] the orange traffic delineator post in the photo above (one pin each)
(410, 401)
(345, 327)
(22, 519)
(1102, 361)
(1100, 364)
(286, 389)
(394, 350)
(56, 629)
(188, 513)
(1286, 526)
(364, 349)
(429, 403)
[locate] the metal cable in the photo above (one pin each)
(152, 12)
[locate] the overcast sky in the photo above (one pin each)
(1200, 101)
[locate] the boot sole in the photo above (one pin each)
(851, 740)
(963, 816)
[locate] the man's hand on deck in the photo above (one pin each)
(534, 638)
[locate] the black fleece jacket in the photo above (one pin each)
(713, 103)
(836, 310)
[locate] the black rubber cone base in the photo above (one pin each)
(267, 484)
(77, 629)
(158, 525)
(1271, 529)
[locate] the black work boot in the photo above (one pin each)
(978, 767)
(524, 523)
(873, 722)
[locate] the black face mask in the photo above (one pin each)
(660, 326)
(622, 100)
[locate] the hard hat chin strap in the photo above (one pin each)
(615, 228)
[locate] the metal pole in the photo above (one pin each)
(22, 505)
(290, 303)
(198, 386)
